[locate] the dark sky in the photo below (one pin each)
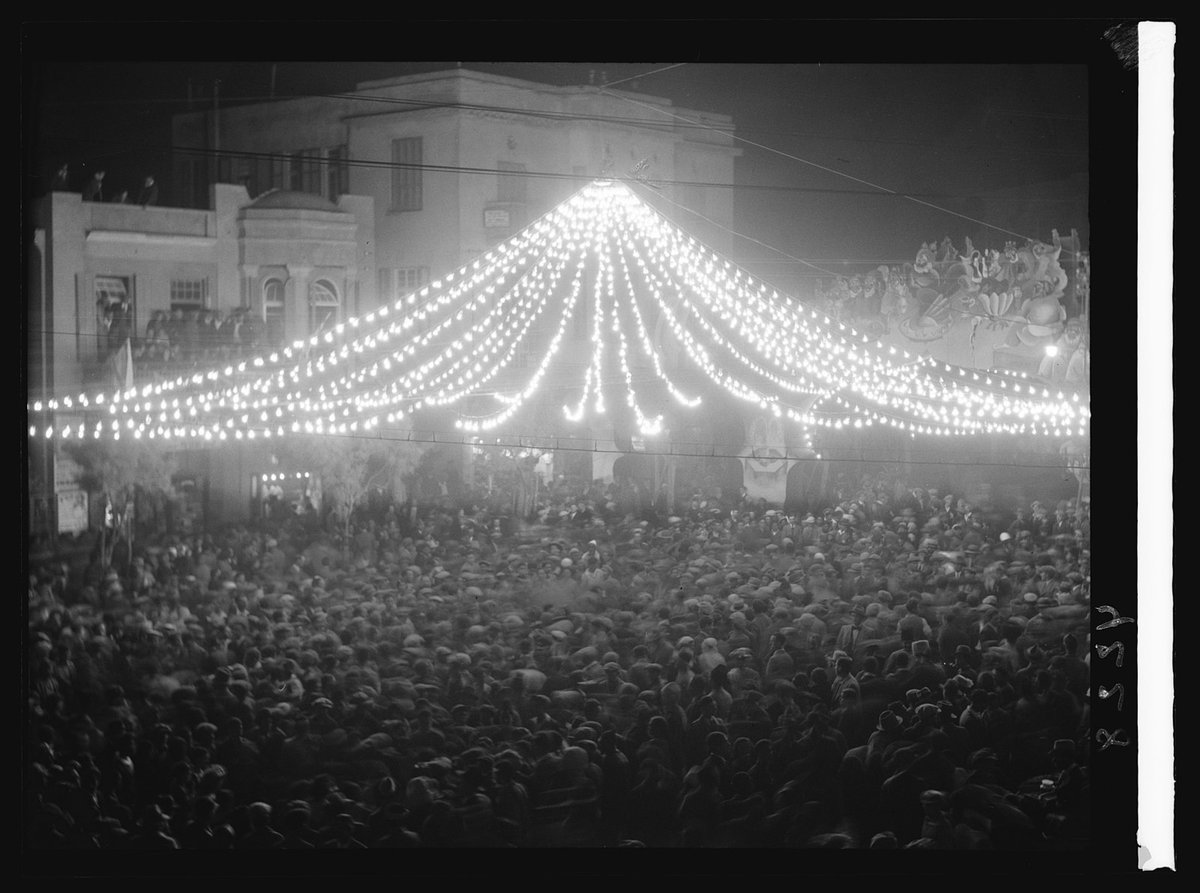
(945, 113)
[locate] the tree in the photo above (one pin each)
(350, 467)
(119, 469)
(438, 473)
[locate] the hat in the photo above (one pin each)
(933, 798)
(926, 712)
(888, 721)
(1063, 746)
(920, 646)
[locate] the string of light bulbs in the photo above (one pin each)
(439, 345)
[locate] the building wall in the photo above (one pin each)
(233, 248)
(466, 133)
(411, 238)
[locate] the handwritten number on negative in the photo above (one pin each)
(1116, 615)
(1118, 646)
(1106, 740)
(1118, 690)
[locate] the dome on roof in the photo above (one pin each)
(286, 200)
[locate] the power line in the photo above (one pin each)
(638, 77)
(482, 171)
(842, 174)
(444, 439)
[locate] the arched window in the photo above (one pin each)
(274, 321)
(323, 303)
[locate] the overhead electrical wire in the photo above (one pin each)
(830, 170)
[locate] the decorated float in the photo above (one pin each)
(1017, 308)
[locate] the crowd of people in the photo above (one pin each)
(200, 335)
(899, 670)
(183, 334)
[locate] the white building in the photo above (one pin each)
(294, 260)
(459, 160)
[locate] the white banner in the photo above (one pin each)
(72, 511)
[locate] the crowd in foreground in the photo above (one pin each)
(896, 671)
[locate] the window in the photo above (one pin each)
(406, 174)
(323, 303)
(305, 171)
(268, 174)
(273, 313)
(115, 316)
(395, 282)
(111, 289)
(411, 278)
(189, 294)
(510, 186)
(337, 174)
(236, 169)
(198, 181)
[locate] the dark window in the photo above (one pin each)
(337, 173)
(189, 294)
(323, 304)
(273, 313)
(406, 174)
(116, 318)
(198, 180)
(305, 173)
(268, 174)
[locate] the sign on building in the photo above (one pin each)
(72, 511)
(67, 473)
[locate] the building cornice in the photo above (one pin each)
(108, 236)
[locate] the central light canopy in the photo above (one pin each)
(607, 266)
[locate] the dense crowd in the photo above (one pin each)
(901, 669)
(185, 335)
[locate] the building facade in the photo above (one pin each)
(457, 161)
(121, 293)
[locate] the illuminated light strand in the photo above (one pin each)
(805, 387)
(932, 394)
(699, 355)
(648, 346)
(720, 269)
(649, 427)
(319, 361)
(514, 345)
(490, 421)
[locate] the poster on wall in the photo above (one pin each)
(72, 511)
(67, 473)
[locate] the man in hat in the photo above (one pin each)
(889, 733)
(926, 673)
(94, 190)
(259, 834)
(850, 633)
(843, 680)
